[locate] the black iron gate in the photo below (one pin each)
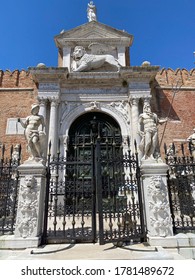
(181, 187)
(9, 187)
(94, 192)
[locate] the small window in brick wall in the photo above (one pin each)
(14, 127)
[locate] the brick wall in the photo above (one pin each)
(17, 92)
(174, 96)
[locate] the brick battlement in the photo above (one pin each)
(170, 77)
(16, 79)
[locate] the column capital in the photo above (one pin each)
(54, 101)
(42, 100)
(147, 99)
(134, 100)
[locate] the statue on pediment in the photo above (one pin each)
(149, 135)
(83, 61)
(35, 137)
(91, 12)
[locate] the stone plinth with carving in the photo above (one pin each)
(29, 221)
(155, 193)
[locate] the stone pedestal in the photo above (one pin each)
(155, 194)
(30, 213)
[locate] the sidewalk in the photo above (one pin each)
(92, 252)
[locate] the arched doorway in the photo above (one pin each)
(94, 192)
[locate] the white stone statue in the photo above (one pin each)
(35, 137)
(87, 62)
(16, 153)
(91, 12)
(149, 134)
(191, 139)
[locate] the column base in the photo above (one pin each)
(178, 241)
(12, 242)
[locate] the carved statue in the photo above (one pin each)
(86, 62)
(191, 139)
(149, 134)
(35, 137)
(91, 12)
(16, 153)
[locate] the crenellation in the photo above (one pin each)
(16, 79)
(170, 77)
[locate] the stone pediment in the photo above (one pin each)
(93, 31)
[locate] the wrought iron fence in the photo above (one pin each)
(94, 194)
(9, 185)
(181, 186)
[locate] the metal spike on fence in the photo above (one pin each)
(135, 144)
(58, 151)
(173, 145)
(165, 148)
(182, 149)
(190, 146)
(3, 151)
(128, 142)
(11, 151)
(49, 148)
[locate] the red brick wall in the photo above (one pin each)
(178, 104)
(17, 103)
(17, 92)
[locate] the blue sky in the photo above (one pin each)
(164, 31)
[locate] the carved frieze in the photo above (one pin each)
(28, 206)
(123, 108)
(160, 219)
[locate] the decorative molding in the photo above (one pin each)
(72, 110)
(49, 86)
(134, 101)
(160, 219)
(123, 108)
(28, 206)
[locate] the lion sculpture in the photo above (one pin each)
(86, 62)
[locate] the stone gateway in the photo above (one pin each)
(95, 169)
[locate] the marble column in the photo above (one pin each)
(121, 56)
(42, 104)
(53, 127)
(135, 119)
(66, 57)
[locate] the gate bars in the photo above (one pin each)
(120, 201)
(9, 186)
(181, 187)
(94, 195)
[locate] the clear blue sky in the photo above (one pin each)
(163, 30)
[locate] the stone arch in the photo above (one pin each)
(70, 117)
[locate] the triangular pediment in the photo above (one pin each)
(93, 30)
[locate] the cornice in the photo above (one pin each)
(73, 42)
(139, 73)
(49, 74)
(94, 75)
